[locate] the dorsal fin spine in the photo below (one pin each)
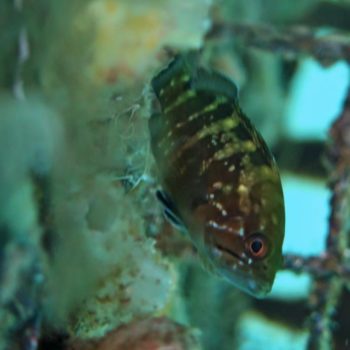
(174, 80)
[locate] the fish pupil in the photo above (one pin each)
(256, 246)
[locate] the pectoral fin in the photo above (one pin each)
(170, 211)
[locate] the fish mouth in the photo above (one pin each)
(259, 292)
(230, 252)
(256, 287)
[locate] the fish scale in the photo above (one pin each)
(219, 179)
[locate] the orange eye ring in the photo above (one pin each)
(257, 246)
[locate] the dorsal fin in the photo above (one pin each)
(183, 73)
(181, 66)
(206, 80)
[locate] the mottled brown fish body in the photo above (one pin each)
(219, 174)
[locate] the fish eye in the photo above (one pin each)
(257, 246)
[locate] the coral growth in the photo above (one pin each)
(115, 274)
(142, 29)
(148, 334)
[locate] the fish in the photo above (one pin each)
(220, 184)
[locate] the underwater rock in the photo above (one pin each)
(149, 334)
(29, 142)
(146, 27)
(106, 271)
(108, 42)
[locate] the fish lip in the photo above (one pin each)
(257, 290)
(255, 287)
(230, 252)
